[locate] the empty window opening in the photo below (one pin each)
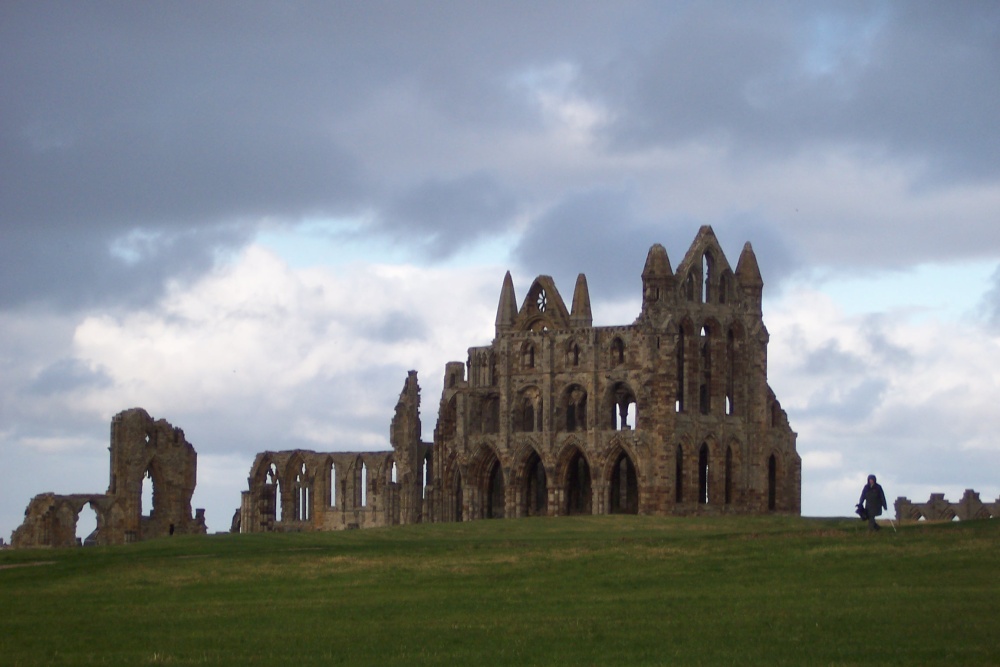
(681, 341)
(426, 475)
(705, 391)
(576, 408)
(772, 483)
(273, 505)
(148, 496)
(495, 496)
(578, 491)
(703, 476)
(86, 526)
(333, 484)
(729, 476)
(392, 473)
(617, 352)
(537, 491)
(364, 484)
(689, 287)
(528, 355)
(624, 413)
(707, 269)
(574, 354)
(624, 486)
(303, 495)
(730, 373)
(679, 475)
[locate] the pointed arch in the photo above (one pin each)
(533, 485)
(617, 352)
(574, 473)
(621, 410)
(572, 409)
(703, 474)
(623, 483)
(527, 412)
(572, 353)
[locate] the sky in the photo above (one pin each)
(252, 219)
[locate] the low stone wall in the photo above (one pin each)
(939, 509)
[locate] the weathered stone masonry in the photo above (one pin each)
(140, 448)
(671, 414)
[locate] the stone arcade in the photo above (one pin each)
(140, 448)
(669, 415)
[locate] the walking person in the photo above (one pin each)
(873, 500)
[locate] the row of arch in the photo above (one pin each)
(288, 492)
(702, 475)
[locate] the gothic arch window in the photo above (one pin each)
(457, 486)
(333, 484)
(707, 281)
(617, 352)
(491, 414)
(689, 286)
(705, 389)
(573, 353)
(578, 486)
(364, 484)
(703, 476)
(574, 408)
(527, 413)
(725, 286)
(535, 489)
(272, 497)
(303, 494)
(426, 476)
(528, 355)
(624, 486)
(495, 492)
(732, 366)
(679, 403)
(624, 414)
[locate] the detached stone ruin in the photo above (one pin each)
(142, 451)
(938, 509)
(669, 415)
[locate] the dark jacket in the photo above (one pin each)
(873, 499)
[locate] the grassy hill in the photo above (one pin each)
(569, 591)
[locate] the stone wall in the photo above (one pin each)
(939, 509)
(671, 414)
(143, 451)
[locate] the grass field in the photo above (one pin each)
(569, 591)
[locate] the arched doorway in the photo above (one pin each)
(536, 490)
(624, 486)
(495, 492)
(578, 487)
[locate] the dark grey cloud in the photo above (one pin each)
(917, 80)
(599, 233)
(989, 306)
(442, 216)
(183, 117)
(67, 375)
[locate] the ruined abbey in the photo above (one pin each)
(143, 450)
(669, 415)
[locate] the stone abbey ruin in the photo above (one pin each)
(669, 415)
(141, 448)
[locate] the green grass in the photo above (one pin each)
(568, 591)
